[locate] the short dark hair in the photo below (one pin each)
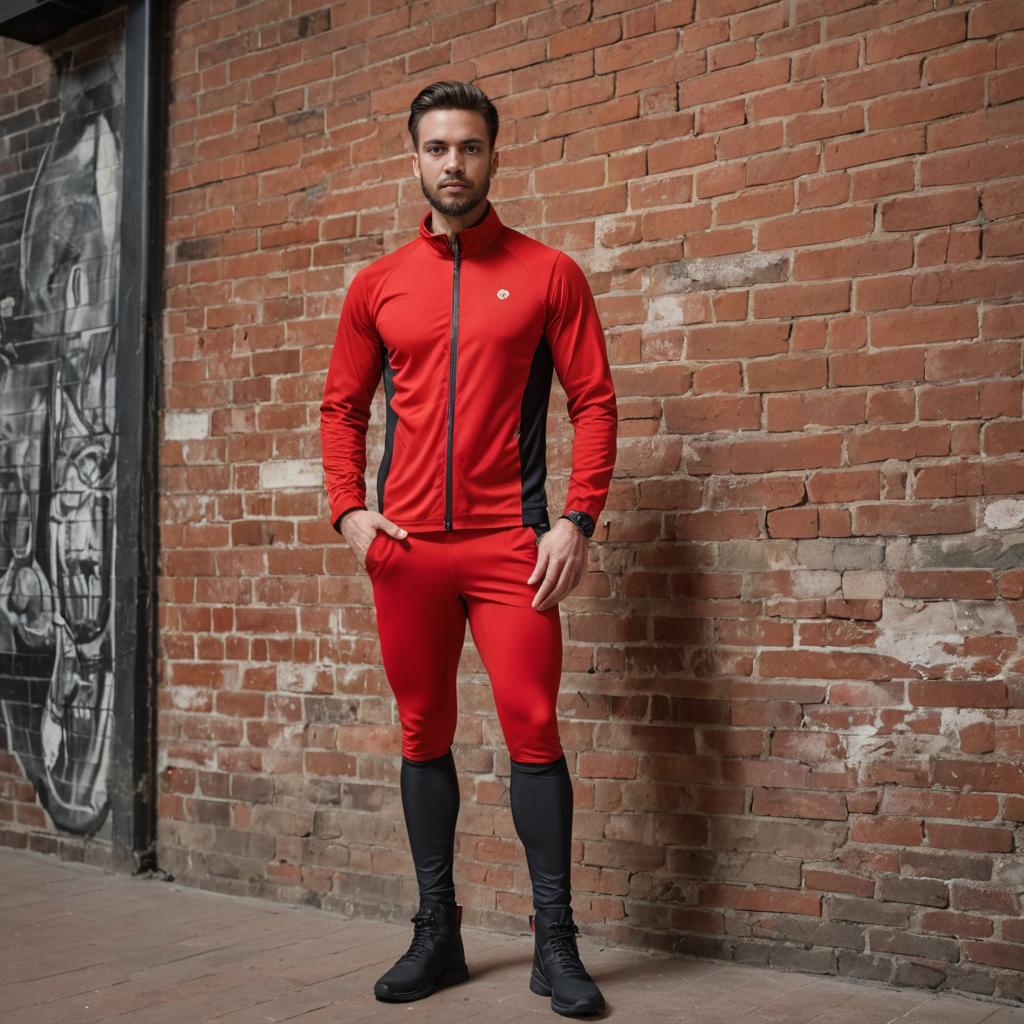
(452, 96)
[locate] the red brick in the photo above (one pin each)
(994, 18)
(844, 485)
(917, 37)
(866, 368)
(853, 260)
(912, 213)
(947, 583)
(793, 522)
(886, 831)
(825, 408)
(787, 374)
(874, 148)
(812, 228)
(801, 300)
(783, 901)
(772, 455)
(736, 341)
(946, 837)
(923, 326)
(976, 359)
(913, 518)
(595, 764)
(903, 443)
(699, 414)
(1004, 438)
(995, 954)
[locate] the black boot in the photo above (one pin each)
(557, 969)
(434, 960)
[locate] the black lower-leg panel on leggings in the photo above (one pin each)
(541, 798)
(430, 800)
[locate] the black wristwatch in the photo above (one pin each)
(582, 520)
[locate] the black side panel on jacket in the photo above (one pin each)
(390, 420)
(533, 417)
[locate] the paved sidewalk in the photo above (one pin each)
(78, 945)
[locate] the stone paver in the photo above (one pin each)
(79, 946)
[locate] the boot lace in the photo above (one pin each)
(561, 941)
(424, 929)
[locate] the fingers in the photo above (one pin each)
(361, 527)
(379, 525)
(539, 568)
(394, 529)
(366, 546)
(368, 538)
(558, 582)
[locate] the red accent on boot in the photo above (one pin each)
(533, 927)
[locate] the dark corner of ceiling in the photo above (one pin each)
(38, 21)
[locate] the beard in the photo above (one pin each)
(455, 204)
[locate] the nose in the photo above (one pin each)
(453, 164)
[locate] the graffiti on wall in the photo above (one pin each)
(57, 458)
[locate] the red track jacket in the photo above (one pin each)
(466, 335)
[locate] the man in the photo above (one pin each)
(466, 323)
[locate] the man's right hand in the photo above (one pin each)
(360, 526)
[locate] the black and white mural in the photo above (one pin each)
(58, 298)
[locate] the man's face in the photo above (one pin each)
(454, 148)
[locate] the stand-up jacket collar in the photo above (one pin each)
(472, 240)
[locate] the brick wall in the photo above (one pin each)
(794, 677)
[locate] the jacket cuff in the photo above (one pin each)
(592, 508)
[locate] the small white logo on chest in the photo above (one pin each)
(503, 293)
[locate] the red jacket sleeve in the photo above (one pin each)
(578, 351)
(352, 378)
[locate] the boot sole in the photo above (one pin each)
(452, 976)
(578, 1009)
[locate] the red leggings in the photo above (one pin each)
(424, 588)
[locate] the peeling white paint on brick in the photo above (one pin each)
(189, 698)
(664, 310)
(186, 426)
(1008, 872)
(297, 678)
(864, 746)
(917, 632)
(1005, 514)
(863, 742)
(952, 720)
(291, 474)
(289, 738)
(924, 632)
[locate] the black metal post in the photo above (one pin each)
(133, 763)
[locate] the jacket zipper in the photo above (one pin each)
(452, 353)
